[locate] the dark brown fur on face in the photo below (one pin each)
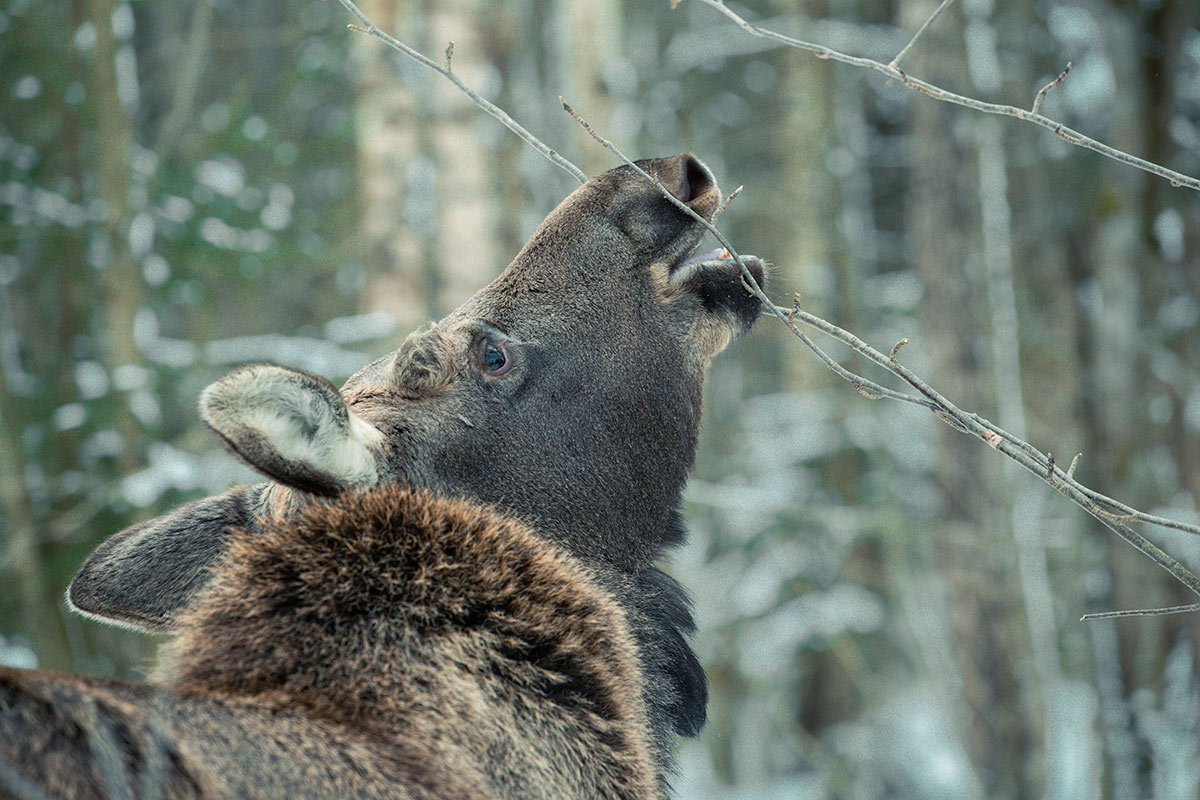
(391, 643)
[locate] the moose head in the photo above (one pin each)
(567, 392)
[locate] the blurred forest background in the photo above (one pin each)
(887, 608)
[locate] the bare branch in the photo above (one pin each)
(1143, 612)
(724, 205)
(369, 28)
(1041, 95)
(1057, 128)
(1028, 457)
(895, 62)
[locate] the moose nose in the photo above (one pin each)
(693, 184)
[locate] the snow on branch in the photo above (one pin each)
(1111, 513)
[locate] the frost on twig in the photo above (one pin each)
(725, 203)
(1143, 612)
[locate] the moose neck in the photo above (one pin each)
(602, 477)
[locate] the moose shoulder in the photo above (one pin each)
(566, 394)
(386, 643)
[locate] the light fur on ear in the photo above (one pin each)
(293, 427)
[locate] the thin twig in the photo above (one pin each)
(725, 204)
(1041, 95)
(369, 28)
(1033, 461)
(895, 62)
(1142, 612)
(980, 423)
(1074, 464)
(1062, 131)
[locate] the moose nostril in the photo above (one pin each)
(683, 191)
(686, 177)
(698, 181)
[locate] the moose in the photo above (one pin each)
(447, 587)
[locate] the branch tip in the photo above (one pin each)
(724, 205)
(791, 317)
(858, 387)
(1041, 95)
(1074, 464)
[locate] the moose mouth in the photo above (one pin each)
(720, 254)
(717, 278)
(718, 259)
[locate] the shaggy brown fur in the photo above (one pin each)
(389, 643)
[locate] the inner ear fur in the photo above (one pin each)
(292, 426)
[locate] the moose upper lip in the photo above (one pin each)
(694, 257)
(718, 254)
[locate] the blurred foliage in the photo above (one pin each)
(887, 609)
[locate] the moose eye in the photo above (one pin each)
(495, 358)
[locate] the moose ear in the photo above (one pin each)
(143, 576)
(293, 427)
